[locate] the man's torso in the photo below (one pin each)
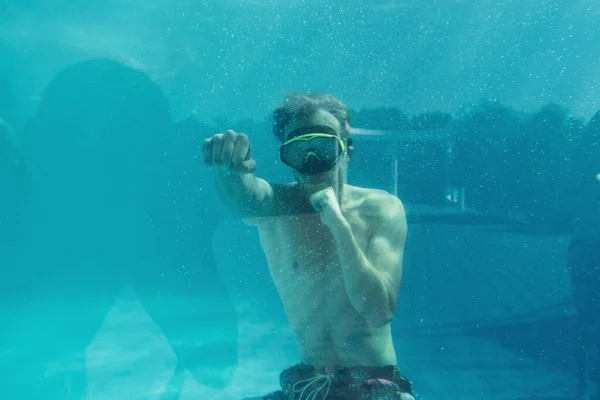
(305, 268)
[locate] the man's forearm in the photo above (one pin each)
(368, 289)
(238, 191)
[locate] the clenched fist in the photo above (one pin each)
(230, 151)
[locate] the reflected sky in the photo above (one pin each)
(239, 57)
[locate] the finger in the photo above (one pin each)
(241, 150)
(248, 166)
(318, 207)
(316, 201)
(314, 197)
(217, 148)
(228, 145)
(207, 151)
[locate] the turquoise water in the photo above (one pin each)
(123, 275)
(511, 344)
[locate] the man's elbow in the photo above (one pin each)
(381, 315)
(379, 318)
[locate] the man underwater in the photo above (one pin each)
(334, 251)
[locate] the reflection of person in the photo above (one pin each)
(104, 215)
(6, 143)
(584, 267)
(14, 181)
(338, 269)
(10, 158)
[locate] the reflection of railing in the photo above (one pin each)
(420, 164)
(421, 174)
(457, 195)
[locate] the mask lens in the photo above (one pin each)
(329, 149)
(292, 154)
(311, 153)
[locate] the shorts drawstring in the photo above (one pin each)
(306, 383)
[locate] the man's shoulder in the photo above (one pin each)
(384, 211)
(378, 203)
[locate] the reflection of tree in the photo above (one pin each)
(518, 162)
(430, 120)
(587, 160)
(483, 153)
(544, 142)
(529, 165)
(585, 164)
(392, 119)
(384, 118)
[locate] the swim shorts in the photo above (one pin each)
(305, 382)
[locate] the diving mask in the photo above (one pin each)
(312, 150)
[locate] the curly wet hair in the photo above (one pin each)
(298, 105)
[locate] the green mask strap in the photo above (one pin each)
(310, 136)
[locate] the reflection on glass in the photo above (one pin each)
(125, 274)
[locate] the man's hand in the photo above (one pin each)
(229, 151)
(326, 204)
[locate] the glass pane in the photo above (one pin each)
(146, 252)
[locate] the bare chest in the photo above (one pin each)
(302, 251)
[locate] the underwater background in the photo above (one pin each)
(122, 274)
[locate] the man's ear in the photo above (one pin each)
(350, 146)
